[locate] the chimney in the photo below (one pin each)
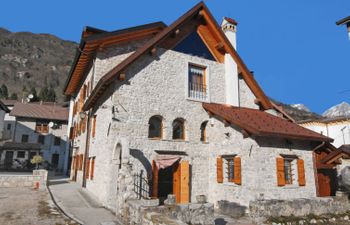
(229, 26)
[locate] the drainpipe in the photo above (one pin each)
(87, 146)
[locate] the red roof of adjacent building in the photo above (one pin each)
(260, 123)
(40, 111)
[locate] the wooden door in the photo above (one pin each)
(8, 159)
(184, 182)
(326, 182)
(176, 181)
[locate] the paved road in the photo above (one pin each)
(78, 204)
(25, 206)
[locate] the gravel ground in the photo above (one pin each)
(25, 206)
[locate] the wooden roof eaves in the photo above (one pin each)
(88, 43)
(98, 37)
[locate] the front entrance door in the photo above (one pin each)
(8, 159)
(172, 180)
(327, 183)
(54, 160)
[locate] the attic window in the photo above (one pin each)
(197, 83)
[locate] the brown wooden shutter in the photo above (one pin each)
(92, 168)
(219, 170)
(94, 126)
(176, 181)
(301, 172)
(184, 182)
(71, 133)
(154, 180)
(280, 172)
(237, 170)
(87, 169)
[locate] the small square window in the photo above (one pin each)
(20, 154)
(41, 139)
(9, 126)
(25, 138)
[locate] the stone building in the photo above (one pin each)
(175, 110)
(38, 128)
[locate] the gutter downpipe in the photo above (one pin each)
(87, 146)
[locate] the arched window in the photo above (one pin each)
(155, 127)
(179, 129)
(204, 131)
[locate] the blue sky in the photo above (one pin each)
(296, 51)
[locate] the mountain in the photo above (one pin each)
(342, 109)
(298, 112)
(30, 60)
(301, 107)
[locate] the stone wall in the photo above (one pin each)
(148, 212)
(37, 179)
(269, 210)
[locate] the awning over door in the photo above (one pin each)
(164, 161)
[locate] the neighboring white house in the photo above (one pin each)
(9, 121)
(336, 128)
(3, 111)
(177, 105)
(37, 125)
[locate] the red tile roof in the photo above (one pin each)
(261, 123)
(39, 111)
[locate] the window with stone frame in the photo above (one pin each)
(21, 154)
(197, 84)
(290, 169)
(155, 127)
(41, 139)
(25, 138)
(204, 132)
(179, 129)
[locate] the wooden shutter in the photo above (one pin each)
(184, 182)
(71, 133)
(92, 168)
(87, 169)
(280, 172)
(176, 181)
(94, 126)
(237, 170)
(219, 170)
(154, 180)
(301, 172)
(73, 163)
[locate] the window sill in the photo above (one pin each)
(155, 139)
(291, 186)
(198, 100)
(231, 184)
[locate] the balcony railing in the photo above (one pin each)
(197, 91)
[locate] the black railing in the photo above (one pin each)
(197, 91)
(141, 186)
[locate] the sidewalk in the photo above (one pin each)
(77, 204)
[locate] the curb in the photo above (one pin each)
(62, 209)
